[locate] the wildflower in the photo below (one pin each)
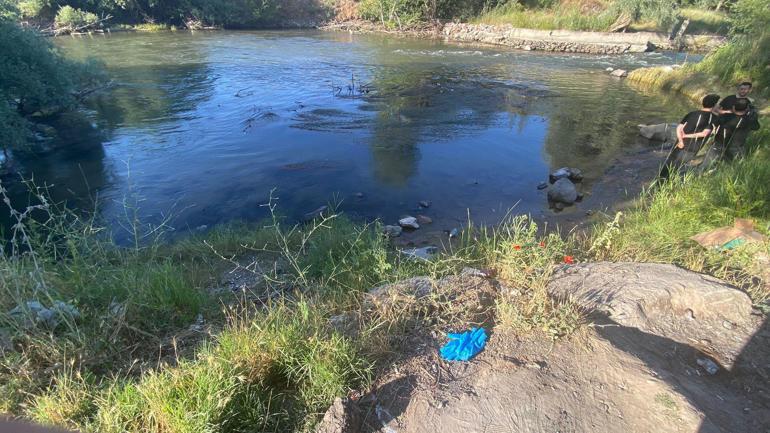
(517, 247)
(569, 260)
(542, 244)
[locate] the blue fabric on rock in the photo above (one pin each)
(462, 347)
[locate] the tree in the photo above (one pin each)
(34, 81)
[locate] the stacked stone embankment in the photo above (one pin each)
(572, 41)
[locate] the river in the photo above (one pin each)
(200, 127)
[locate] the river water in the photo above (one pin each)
(201, 127)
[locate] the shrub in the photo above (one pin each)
(71, 18)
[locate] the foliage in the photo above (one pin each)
(660, 229)
(410, 12)
(747, 55)
(662, 12)
(70, 18)
(566, 17)
(33, 77)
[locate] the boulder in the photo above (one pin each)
(620, 73)
(563, 191)
(571, 173)
(664, 300)
(424, 253)
(423, 220)
(665, 132)
(392, 231)
(409, 222)
(343, 416)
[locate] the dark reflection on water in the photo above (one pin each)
(205, 125)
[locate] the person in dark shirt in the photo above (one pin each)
(692, 132)
(726, 106)
(730, 138)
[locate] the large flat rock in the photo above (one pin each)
(664, 300)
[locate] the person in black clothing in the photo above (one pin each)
(726, 106)
(730, 138)
(692, 132)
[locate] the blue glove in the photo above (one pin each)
(462, 347)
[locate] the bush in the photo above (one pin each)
(747, 55)
(30, 9)
(72, 19)
(32, 77)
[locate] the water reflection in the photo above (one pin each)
(209, 123)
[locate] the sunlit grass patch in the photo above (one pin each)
(659, 230)
(568, 18)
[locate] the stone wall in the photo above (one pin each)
(571, 41)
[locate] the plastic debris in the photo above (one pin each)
(462, 347)
(727, 238)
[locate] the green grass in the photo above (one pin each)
(705, 21)
(277, 365)
(659, 230)
(144, 27)
(567, 17)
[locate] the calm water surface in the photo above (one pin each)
(202, 126)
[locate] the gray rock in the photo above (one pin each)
(66, 309)
(343, 416)
(609, 69)
(392, 231)
(424, 220)
(425, 204)
(655, 298)
(34, 313)
(424, 253)
(454, 233)
(571, 173)
(359, 195)
(620, 73)
(542, 186)
(665, 132)
(710, 366)
(563, 191)
(409, 222)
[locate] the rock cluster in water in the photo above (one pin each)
(562, 191)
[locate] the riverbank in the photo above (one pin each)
(267, 324)
(541, 40)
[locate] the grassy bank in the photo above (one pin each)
(569, 17)
(158, 345)
(155, 344)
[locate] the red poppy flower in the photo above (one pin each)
(517, 247)
(569, 260)
(542, 244)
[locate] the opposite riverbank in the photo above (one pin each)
(541, 40)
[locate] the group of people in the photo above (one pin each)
(727, 121)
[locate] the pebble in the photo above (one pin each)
(542, 186)
(359, 195)
(425, 204)
(454, 233)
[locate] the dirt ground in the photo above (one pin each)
(606, 378)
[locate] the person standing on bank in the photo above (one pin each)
(726, 106)
(730, 139)
(692, 132)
